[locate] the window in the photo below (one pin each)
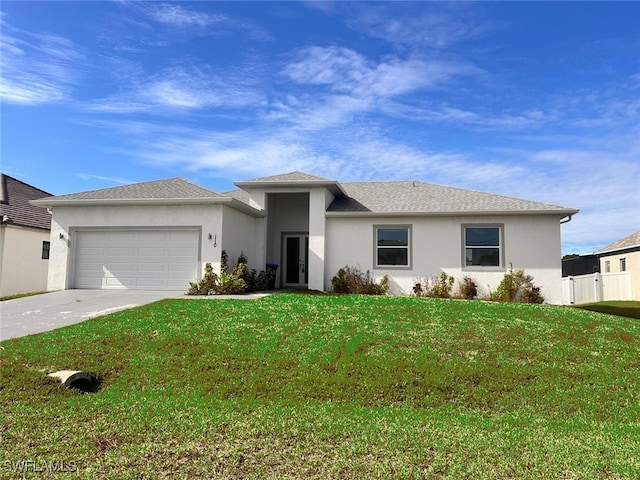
(623, 264)
(393, 246)
(607, 266)
(46, 246)
(483, 246)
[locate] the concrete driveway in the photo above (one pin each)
(40, 313)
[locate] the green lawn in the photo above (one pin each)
(302, 386)
(629, 309)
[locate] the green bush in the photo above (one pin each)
(439, 287)
(207, 284)
(515, 286)
(239, 280)
(352, 280)
(467, 288)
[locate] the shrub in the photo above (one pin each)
(352, 280)
(515, 286)
(239, 280)
(467, 288)
(439, 286)
(206, 285)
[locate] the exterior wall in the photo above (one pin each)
(530, 242)
(633, 266)
(317, 226)
(66, 220)
(22, 269)
(238, 230)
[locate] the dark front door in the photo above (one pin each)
(295, 259)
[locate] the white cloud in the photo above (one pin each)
(181, 88)
(346, 71)
(106, 179)
(197, 22)
(435, 25)
(181, 17)
(37, 68)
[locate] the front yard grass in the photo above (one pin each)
(621, 308)
(303, 386)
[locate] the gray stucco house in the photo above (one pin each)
(159, 235)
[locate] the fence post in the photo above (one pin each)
(599, 294)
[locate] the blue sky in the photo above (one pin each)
(538, 100)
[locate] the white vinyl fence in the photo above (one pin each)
(596, 287)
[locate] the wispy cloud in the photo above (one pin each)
(346, 71)
(177, 15)
(105, 179)
(338, 83)
(37, 68)
(184, 88)
(433, 25)
(196, 22)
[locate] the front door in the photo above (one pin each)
(295, 257)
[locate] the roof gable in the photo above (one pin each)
(15, 208)
(630, 241)
(289, 177)
(404, 197)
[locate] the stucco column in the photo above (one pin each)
(317, 211)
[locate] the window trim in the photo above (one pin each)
(623, 264)
(409, 247)
(501, 255)
(46, 252)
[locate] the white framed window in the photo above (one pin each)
(607, 266)
(623, 264)
(392, 247)
(483, 246)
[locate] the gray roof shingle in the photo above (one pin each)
(421, 197)
(289, 177)
(630, 241)
(14, 204)
(172, 188)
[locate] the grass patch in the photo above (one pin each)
(20, 295)
(629, 309)
(313, 386)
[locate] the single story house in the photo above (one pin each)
(24, 238)
(623, 256)
(159, 235)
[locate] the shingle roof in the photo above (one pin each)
(630, 241)
(289, 177)
(420, 197)
(172, 188)
(14, 204)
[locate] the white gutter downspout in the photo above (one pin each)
(566, 219)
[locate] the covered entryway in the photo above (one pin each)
(143, 259)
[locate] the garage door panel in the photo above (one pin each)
(122, 236)
(144, 259)
(151, 268)
(117, 268)
(121, 251)
(159, 251)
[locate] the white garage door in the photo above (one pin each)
(136, 259)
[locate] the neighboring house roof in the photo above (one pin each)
(425, 198)
(170, 191)
(627, 243)
(15, 208)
